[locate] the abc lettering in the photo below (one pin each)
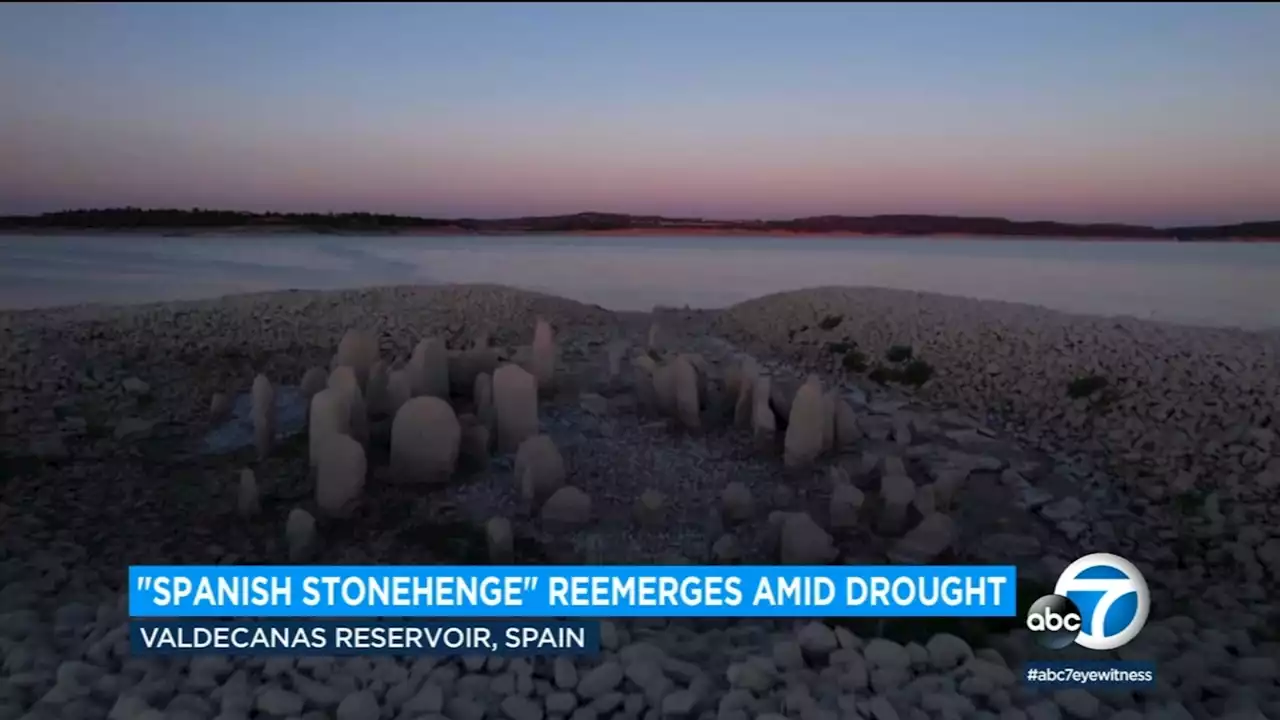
(1053, 622)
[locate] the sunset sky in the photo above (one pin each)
(1162, 114)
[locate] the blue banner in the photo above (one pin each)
(571, 591)
(336, 638)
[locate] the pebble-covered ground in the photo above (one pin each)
(1169, 460)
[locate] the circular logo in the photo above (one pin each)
(1054, 621)
(1111, 597)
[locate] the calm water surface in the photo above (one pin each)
(1227, 284)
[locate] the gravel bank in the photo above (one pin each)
(105, 413)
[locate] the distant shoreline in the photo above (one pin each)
(257, 230)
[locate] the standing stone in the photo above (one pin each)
(358, 350)
(829, 421)
(544, 354)
(539, 468)
(340, 476)
(617, 351)
(926, 542)
(846, 505)
(664, 388)
(806, 427)
(803, 542)
(425, 437)
(744, 404)
(343, 379)
(515, 404)
(399, 390)
(314, 380)
(377, 396)
(264, 415)
(300, 534)
(429, 369)
(655, 337)
(476, 441)
(219, 407)
(946, 485)
(330, 415)
(482, 394)
(568, 506)
(247, 502)
(688, 408)
(500, 540)
(646, 394)
(465, 367)
(897, 491)
(847, 431)
(764, 426)
(733, 376)
(926, 501)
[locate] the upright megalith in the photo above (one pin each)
(399, 390)
(247, 498)
(343, 380)
(219, 407)
(473, 452)
(376, 396)
(330, 415)
(654, 343)
(847, 430)
(897, 492)
(340, 476)
(500, 541)
(515, 406)
(616, 353)
(846, 501)
(357, 350)
(482, 395)
(428, 369)
(646, 392)
(425, 440)
(829, 421)
(540, 470)
(567, 507)
(744, 384)
(664, 388)
(806, 427)
(543, 360)
(687, 405)
(300, 534)
(466, 366)
(764, 426)
(313, 381)
(263, 398)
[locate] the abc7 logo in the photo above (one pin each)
(1121, 595)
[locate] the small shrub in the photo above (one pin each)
(1083, 387)
(831, 322)
(882, 375)
(898, 353)
(916, 373)
(855, 361)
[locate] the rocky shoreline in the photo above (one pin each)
(1169, 459)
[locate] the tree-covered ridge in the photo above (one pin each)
(200, 219)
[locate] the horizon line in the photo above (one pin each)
(677, 218)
